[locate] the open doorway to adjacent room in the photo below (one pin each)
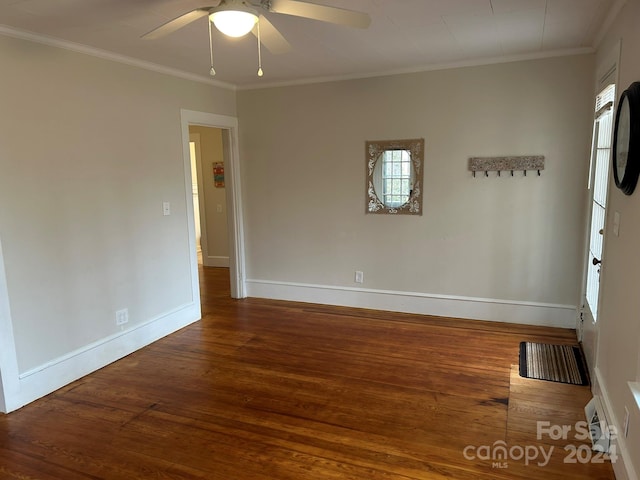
(214, 203)
(209, 196)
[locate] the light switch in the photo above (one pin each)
(616, 224)
(166, 208)
(219, 208)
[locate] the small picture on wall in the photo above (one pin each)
(218, 175)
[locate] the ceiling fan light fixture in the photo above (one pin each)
(234, 20)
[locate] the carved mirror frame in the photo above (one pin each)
(373, 154)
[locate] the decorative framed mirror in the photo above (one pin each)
(394, 173)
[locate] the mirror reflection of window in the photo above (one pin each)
(396, 177)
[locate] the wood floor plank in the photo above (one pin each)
(272, 390)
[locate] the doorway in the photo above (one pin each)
(598, 189)
(209, 195)
(228, 205)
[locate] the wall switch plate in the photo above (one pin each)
(166, 208)
(122, 316)
(359, 277)
(219, 208)
(616, 223)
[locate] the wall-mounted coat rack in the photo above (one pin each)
(506, 164)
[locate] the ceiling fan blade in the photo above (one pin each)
(177, 23)
(339, 16)
(270, 37)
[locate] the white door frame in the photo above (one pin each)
(588, 331)
(588, 328)
(204, 243)
(229, 127)
(9, 374)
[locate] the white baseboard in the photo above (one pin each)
(623, 467)
(213, 261)
(527, 313)
(53, 375)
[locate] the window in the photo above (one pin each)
(396, 177)
(598, 182)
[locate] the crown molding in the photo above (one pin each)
(427, 68)
(96, 52)
(105, 55)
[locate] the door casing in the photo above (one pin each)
(235, 221)
(587, 327)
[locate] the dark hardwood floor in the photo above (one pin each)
(268, 390)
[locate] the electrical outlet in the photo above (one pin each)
(359, 277)
(166, 208)
(122, 316)
(625, 424)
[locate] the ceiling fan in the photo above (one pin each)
(236, 18)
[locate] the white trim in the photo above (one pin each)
(57, 373)
(216, 261)
(424, 68)
(635, 391)
(512, 311)
(191, 231)
(9, 384)
(96, 52)
(235, 220)
(623, 467)
(105, 55)
(202, 210)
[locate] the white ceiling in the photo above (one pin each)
(405, 35)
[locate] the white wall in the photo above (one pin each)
(497, 248)
(619, 316)
(89, 151)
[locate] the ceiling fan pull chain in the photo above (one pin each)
(212, 72)
(260, 72)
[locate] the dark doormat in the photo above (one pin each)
(554, 363)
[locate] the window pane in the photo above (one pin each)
(396, 177)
